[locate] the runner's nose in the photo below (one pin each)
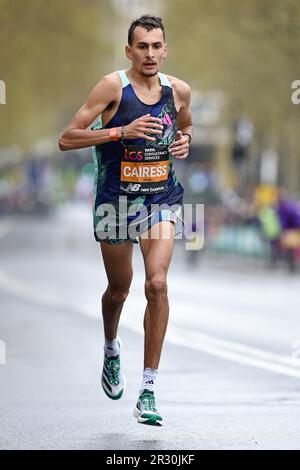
(150, 54)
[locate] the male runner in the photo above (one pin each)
(144, 122)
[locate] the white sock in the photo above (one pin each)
(112, 347)
(149, 376)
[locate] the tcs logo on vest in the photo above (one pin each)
(133, 155)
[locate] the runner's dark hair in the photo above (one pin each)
(148, 22)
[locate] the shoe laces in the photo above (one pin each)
(148, 400)
(113, 369)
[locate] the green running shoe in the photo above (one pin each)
(113, 380)
(145, 410)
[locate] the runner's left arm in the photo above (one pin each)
(180, 147)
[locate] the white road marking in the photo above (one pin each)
(217, 347)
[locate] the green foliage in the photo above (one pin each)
(52, 53)
(248, 48)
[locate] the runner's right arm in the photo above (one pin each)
(76, 135)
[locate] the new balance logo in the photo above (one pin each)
(133, 187)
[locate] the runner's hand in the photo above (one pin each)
(180, 147)
(144, 124)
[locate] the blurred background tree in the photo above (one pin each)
(250, 50)
(51, 54)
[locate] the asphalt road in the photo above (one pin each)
(230, 370)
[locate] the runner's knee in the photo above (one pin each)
(155, 287)
(118, 294)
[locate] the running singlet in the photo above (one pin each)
(115, 178)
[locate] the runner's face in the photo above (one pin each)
(147, 51)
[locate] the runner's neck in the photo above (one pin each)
(139, 80)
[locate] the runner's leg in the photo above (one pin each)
(117, 259)
(157, 253)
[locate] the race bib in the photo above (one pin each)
(144, 170)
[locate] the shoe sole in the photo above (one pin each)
(120, 394)
(148, 421)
